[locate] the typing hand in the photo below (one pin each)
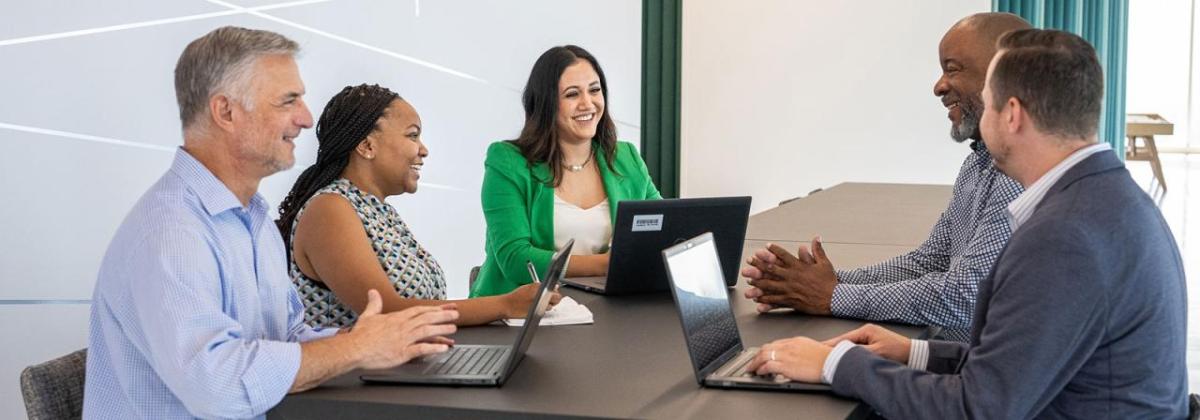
(878, 340)
(386, 340)
(798, 358)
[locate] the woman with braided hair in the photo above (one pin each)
(344, 239)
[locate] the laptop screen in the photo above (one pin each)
(558, 268)
(700, 295)
(644, 228)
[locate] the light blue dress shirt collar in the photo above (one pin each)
(214, 195)
(1022, 208)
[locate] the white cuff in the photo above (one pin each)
(918, 354)
(831, 362)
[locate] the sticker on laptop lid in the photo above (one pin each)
(647, 222)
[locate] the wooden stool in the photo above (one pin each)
(1145, 127)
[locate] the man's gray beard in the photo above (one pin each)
(969, 126)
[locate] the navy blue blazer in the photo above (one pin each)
(1084, 316)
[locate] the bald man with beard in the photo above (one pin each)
(936, 283)
(1085, 313)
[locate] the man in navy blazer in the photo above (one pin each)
(1084, 314)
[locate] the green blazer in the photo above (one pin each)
(519, 209)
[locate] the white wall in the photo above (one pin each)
(781, 97)
(1158, 64)
(88, 121)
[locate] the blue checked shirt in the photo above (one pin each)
(193, 313)
(936, 284)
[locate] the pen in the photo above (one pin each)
(532, 272)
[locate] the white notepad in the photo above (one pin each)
(566, 312)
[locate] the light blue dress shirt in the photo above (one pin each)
(193, 314)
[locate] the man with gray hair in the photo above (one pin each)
(193, 314)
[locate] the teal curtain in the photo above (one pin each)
(1105, 24)
(661, 38)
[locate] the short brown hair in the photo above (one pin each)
(1055, 75)
(220, 62)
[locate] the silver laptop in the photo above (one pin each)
(479, 365)
(709, 327)
(644, 227)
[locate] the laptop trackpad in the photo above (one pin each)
(413, 368)
(597, 282)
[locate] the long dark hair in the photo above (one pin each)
(538, 141)
(348, 118)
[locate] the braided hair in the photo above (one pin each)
(348, 118)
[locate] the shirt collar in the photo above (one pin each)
(978, 146)
(213, 194)
(981, 151)
(1021, 208)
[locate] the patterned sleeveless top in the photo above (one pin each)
(412, 271)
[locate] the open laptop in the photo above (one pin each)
(644, 228)
(709, 328)
(479, 365)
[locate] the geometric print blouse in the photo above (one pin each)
(410, 269)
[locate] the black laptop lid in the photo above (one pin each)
(709, 327)
(645, 227)
(541, 302)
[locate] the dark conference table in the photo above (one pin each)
(631, 363)
(856, 212)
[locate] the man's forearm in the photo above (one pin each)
(321, 360)
(941, 299)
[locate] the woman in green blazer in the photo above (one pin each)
(562, 178)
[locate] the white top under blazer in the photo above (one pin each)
(591, 228)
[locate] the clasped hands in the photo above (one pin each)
(803, 282)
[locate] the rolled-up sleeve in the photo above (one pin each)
(299, 331)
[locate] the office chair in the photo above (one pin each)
(54, 389)
(471, 278)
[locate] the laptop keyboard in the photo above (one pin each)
(737, 367)
(468, 361)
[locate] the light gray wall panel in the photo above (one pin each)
(64, 199)
(24, 19)
(89, 121)
(118, 85)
